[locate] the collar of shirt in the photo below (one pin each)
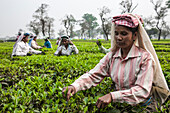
(134, 52)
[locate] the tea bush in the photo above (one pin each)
(34, 83)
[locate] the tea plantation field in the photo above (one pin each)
(34, 83)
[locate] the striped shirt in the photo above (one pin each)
(133, 75)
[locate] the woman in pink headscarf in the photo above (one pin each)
(132, 65)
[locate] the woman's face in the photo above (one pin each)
(65, 42)
(35, 39)
(124, 37)
(25, 39)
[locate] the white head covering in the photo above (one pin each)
(14, 47)
(19, 40)
(143, 41)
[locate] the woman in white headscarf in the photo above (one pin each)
(132, 65)
(21, 47)
(66, 47)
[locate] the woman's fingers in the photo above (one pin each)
(103, 101)
(64, 89)
(73, 92)
(99, 103)
(68, 94)
(103, 105)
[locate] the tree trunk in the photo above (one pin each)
(165, 37)
(89, 34)
(67, 31)
(49, 34)
(105, 33)
(159, 35)
(43, 27)
(104, 29)
(106, 36)
(49, 30)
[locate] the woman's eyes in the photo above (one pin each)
(121, 33)
(116, 33)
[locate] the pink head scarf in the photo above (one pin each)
(127, 20)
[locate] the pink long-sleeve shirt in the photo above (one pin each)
(133, 76)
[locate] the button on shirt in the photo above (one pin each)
(68, 51)
(133, 76)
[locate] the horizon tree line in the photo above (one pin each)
(155, 25)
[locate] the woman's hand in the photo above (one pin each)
(98, 43)
(70, 42)
(104, 101)
(71, 91)
(59, 53)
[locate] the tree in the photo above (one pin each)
(41, 21)
(127, 6)
(152, 32)
(149, 25)
(83, 27)
(41, 14)
(61, 32)
(106, 22)
(35, 27)
(89, 23)
(165, 31)
(49, 27)
(149, 22)
(99, 31)
(168, 3)
(77, 33)
(72, 33)
(161, 13)
(69, 22)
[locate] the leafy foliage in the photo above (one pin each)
(34, 83)
(89, 23)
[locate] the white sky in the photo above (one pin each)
(16, 14)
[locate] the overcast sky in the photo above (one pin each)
(16, 14)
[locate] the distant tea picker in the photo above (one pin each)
(47, 43)
(34, 44)
(21, 47)
(66, 47)
(101, 48)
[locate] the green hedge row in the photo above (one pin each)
(34, 83)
